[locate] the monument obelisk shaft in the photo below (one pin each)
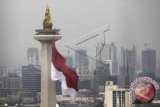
(48, 94)
(46, 36)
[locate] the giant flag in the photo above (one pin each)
(61, 72)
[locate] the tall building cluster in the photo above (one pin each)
(107, 68)
(31, 74)
(10, 82)
(122, 71)
(16, 82)
(107, 53)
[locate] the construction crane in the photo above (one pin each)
(81, 42)
(104, 41)
(105, 35)
(87, 39)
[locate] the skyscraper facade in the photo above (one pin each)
(81, 62)
(33, 56)
(115, 96)
(14, 82)
(107, 53)
(103, 53)
(3, 71)
(31, 79)
(128, 66)
(81, 59)
(113, 52)
(149, 61)
(113, 67)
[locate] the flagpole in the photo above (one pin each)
(46, 36)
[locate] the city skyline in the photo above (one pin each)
(92, 59)
(131, 22)
(105, 46)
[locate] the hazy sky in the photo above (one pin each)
(131, 22)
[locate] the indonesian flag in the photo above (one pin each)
(67, 76)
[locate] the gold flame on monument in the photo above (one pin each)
(47, 22)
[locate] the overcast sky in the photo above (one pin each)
(131, 22)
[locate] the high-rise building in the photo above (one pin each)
(103, 53)
(5, 82)
(81, 59)
(33, 56)
(128, 67)
(113, 52)
(149, 61)
(9, 85)
(1, 82)
(107, 53)
(81, 62)
(14, 82)
(113, 67)
(31, 79)
(115, 96)
(83, 73)
(3, 71)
